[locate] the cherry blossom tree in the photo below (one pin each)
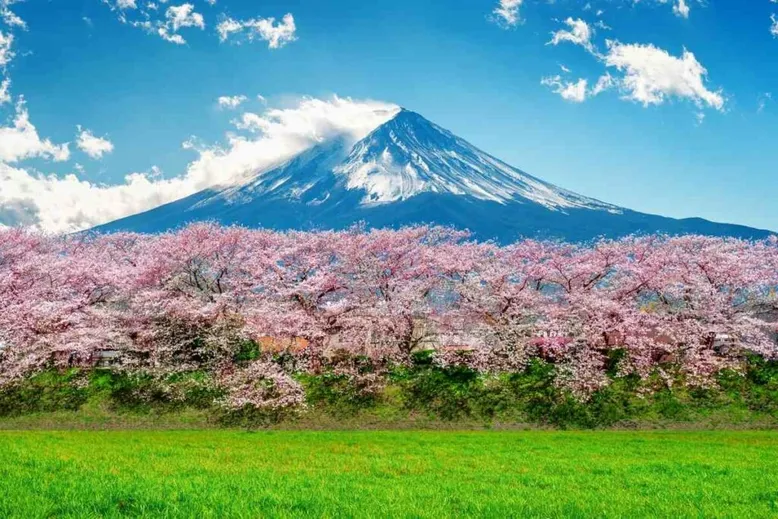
(682, 307)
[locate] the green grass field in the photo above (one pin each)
(388, 474)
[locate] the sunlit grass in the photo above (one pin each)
(388, 474)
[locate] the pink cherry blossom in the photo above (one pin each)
(189, 299)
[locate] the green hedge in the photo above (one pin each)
(419, 390)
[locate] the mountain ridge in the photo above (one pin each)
(409, 171)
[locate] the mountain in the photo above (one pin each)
(410, 171)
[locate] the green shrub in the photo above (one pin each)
(48, 391)
(336, 394)
(446, 393)
(248, 351)
(421, 388)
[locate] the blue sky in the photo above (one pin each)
(695, 145)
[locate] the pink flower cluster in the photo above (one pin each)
(262, 385)
(190, 299)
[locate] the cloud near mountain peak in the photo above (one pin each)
(69, 203)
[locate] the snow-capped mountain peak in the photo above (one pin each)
(408, 171)
(410, 155)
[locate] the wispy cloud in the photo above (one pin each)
(507, 12)
(151, 18)
(276, 34)
(568, 90)
(231, 102)
(579, 33)
(92, 145)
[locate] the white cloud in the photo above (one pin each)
(507, 12)
(166, 35)
(580, 33)
(762, 101)
(6, 53)
(605, 82)
(275, 34)
(126, 4)
(64, 204)
(651, 75)
(9, 17)
(5, 95)
(575, 92)
(681, 8)
(774, 25)
(231, 102)
(227, 27)
(149, 18)
(183, 16)
(21, 141)
(92, 145)
(647, 74)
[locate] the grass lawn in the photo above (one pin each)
(388, 474)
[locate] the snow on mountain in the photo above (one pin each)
(410, 155)
(409, 171)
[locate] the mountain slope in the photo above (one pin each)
(410, 171)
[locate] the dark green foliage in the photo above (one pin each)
(137, 392)
(613, 360)
(248, 351)
(532, 396)
(420, 389)
(45, 392)
(758, 390)
(449, 393)
(344, 387)
(340, 395)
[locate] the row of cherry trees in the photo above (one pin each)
(191, 299)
